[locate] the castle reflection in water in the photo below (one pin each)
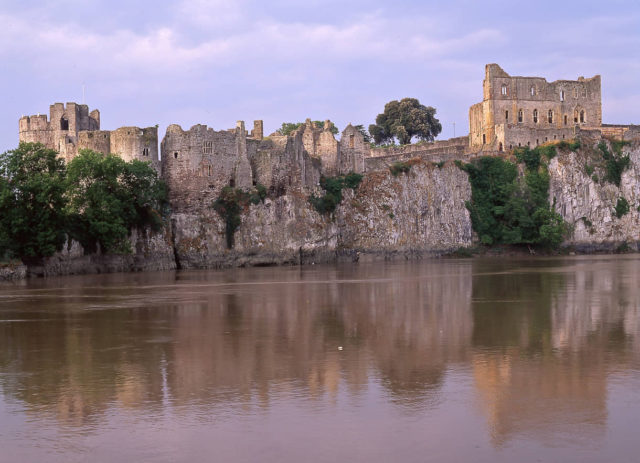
(539, 342)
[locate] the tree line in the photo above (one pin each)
(96, 199)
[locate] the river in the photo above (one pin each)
(484, 360)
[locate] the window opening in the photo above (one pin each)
(533, 91)
(565, 119)
(504, 89)
(561, 95)
(520, 115)
(535, 116)
(207, 147)
(175, 155)
(484, 139)
(550, 116)
(351, 141)
(145, 151)
(582, 116)
(506, 116)
(64, 123)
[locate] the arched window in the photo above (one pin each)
(535, 116)
(561, 95)
(520, 115)
(582, 116)
(575, 116)
(64, 123)
(500, 146)
(550, 116)
(504, 89)
(533, 90)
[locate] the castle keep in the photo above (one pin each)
(519, 111)
(197, 163)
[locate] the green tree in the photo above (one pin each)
(403, 120)
(32, 223)
(108, 197)
(288, 128)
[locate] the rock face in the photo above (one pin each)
(417, 213)
(151, 251)
(589, 205)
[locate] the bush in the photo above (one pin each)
(230, 204)
(622, 207)
(588, 169)
(615, 163)
(327, 203)
(506, 210)
(569, 146)
(398, 168)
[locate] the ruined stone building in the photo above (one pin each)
(72, 127)
(529, 111)
(197, 163)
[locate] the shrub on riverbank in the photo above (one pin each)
(506, 209)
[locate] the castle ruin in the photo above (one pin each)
(197, 163)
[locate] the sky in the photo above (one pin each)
(214, 62)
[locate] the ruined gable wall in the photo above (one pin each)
(352, 150)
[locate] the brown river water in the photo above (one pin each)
(483, 360)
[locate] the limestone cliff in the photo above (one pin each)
(417, 213)
(589, 205)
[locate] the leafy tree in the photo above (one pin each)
(32, 223)
(289, 127)
(108, 197)
(403, 120)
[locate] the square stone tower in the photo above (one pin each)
(518, 111)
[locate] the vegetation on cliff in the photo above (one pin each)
(404, 120)
(333, 186)
(615, 163)
(230, 204)
(96, 199)
(508, 209)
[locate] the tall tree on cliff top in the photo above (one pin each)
(32, 187)
(403, 120)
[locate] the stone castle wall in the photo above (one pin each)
(72, 127)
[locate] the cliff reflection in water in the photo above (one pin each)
(538, 340)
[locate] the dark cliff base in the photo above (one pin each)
(524, 250)
(96, 264)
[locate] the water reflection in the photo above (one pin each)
(536, 340)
